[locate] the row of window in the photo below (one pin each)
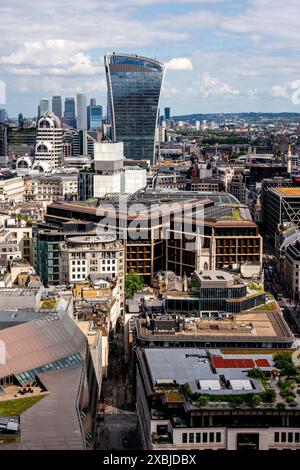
(287, 437)
(200, 437)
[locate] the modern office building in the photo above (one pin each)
(108, 174)
(81, 111)
(212, 293)
(82, 143)
(191, 398)
(70, 113)
(95, 118)
(224, 236)
(44, 106)
(144, 248)
(134, 86)
(259, 329)
(281, 205)
(168, 113)
(45, 247)
(3, 140)
(49, 143)
(3, 116)
(57, 106)
(51, 360)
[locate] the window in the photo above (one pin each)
(191, 438)
(218, 437)
(297, 437)
(198, 437)
(276, 436)
(204, 437)
(290, 437)
(283, 437)
(211, 437)
(184, 438)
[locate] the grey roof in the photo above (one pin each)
(189, 366)
(37, 343)
(9, 318)
(53, 422)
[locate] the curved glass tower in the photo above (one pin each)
(134, 85)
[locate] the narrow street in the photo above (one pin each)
(118, 429)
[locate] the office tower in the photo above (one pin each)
(95, 118)
(168, 113)
(57, 106)
(49, 143)
(69, 114)
(3, 116)
(3, 140)
(81, 111)
(93, 102)
(44, 106)
(20, 119)
(134, 86)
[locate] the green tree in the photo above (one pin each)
(134, 282)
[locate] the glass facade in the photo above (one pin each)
(95, 118)
(134, 86)
(69, 361)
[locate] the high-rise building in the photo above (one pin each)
(81, 111)
(95, 118)
(3, 140)
(134, 87)
(44, 107)
(69, 114)
(168, 113)
(3, 116)
(57, 106)
(49, 143)
(93, 102)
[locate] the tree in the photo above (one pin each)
(134, 282)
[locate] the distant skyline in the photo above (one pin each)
(221, 56)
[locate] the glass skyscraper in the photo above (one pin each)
(134, 87)
(95, 123)
(69, 114)
(57, 106)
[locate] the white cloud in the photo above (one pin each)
(279, 91)
(212, 86)
(179, 63)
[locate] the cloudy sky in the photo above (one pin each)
(221, 55)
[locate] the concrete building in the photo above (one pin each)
(93, 256)
(15, 241)
(291, 272)
(81, 111)
(57, 186)
(49, 143)
(108, 174)
(185, 401)
(12, 186)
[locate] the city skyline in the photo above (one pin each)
(219, 57)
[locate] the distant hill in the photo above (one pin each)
(230, 116)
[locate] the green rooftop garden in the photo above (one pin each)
(18, 406)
